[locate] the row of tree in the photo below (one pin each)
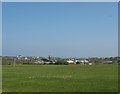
(12, 60)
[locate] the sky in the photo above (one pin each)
(60, 0)
(60, 29)
(0, 29)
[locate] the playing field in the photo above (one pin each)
(60, 78)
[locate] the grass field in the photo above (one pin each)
(60, 78)
(0, 78)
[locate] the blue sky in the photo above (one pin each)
(0, 29)
(60, 29)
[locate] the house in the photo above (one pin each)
(46, 61)
(107, 62)
(71, 62)
(26, 58)
(19, 56)
(84, 62)
(77, 61)
(89, 63)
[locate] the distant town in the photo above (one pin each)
(12, 60)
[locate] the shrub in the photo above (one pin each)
(61, 62)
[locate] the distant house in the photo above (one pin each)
(19, 56)
(89, 63)
(46, 61)
(39, 62)
(107, 62)
(84, 62)
(26, 58)
(77, 61)
(71, 62)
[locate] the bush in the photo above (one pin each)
(61, 62)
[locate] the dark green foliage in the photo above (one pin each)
(61, 62)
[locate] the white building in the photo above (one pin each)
(84, 62)
(71, 62)
(90, 63)
(26, 58)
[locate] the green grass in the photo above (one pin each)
(0, 78)
(60, 78)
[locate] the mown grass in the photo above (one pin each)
(0, 78)
(60, 78)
